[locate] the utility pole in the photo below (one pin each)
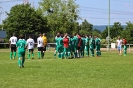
(109, 27)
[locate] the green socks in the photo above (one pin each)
(10, 55)
(39, 54)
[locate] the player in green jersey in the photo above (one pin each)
(87, 45)
(21, 45)
(97, 44)
(92, 45)
(83, 45)
(75, 39)
(59, 46)
(71, 45)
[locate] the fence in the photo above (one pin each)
(51, 46)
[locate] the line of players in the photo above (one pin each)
(21, 45)
(74, 46)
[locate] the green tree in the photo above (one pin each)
(128, 32)
(61, 15)
(86, 27)
(115, 30)
(23, 19)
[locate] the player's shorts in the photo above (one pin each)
(75, 48)
(66, 49)
(30, 50)
(82, 48)
(21, 53)
(71, 48)
(40, 48)
(13, 48)
(125, 47)
(44, 48)
(119, 47)
(97, 48)
(79, 47)
(86, 48)
(59, 49)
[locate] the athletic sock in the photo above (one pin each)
(68, 54)
(19, 61)
(23, 60)
(28, 55)
(33, 55)
(39, 54)
(14, 55)
(10, 55)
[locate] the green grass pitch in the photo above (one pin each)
(108, 71)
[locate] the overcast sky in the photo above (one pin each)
(95, 11)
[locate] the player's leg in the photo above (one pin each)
(87, 50)
(42, 53)
(11, 52)
(65, 53)
(29, 50)
(68, 51)
(19, 58)
(39, 52)
(92, 51)
(23, 58)
(44, 49)
(125, 50)
(14, 52)
(75, 51)
(32, 52)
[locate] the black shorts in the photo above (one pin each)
(13, 48)
(44, 48)
(40, 48)
(30, 50)
(79, 47)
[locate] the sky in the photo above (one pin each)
(95, 12)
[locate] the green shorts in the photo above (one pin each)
(59, 49)
(97, 48)
(66, 49)
(125, 47)
(86, 48)
(21, 53)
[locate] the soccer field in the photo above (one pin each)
(108, 71)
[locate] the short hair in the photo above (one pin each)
(21, 36)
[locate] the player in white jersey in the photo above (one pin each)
(40, 46)
(119, 45)
(30, 45)
(12, 45)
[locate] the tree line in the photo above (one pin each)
(54, 16)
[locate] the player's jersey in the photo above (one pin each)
(59, 41)
(13, 40)
(83, 41)
(97, 42)
(72, 41)
(124, 41)
(30, 43)
(87, 41)
(21, 45)
(76, 40)
(40, 42)
(119, 42)
(44, 40)
(79, 41)
(66, 42)
(92, 43)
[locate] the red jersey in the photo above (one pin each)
(66, 42)
(124, 41)
(79, 41)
